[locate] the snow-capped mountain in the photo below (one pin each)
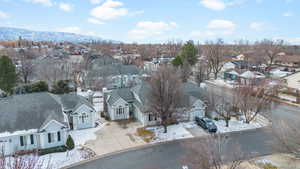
(7, 33)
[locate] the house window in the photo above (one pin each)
(51, 137)
(58, 136)
(22, 140)
(120, 111)
(31, 139)
(152, 117)
(84, 118)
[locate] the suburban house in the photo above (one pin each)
(155, 63)
(243, 76)
(41, 120)
(251, 77)
(125, 103)
(110, 72)
(239, 64)
(114, 76)
(293, 81)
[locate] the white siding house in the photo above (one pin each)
(128, 103)
(38, 121)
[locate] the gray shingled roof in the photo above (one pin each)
(191, 93)
(142, 91)
(30, 111)
(102, 61)
(123, 93)
(73, 101)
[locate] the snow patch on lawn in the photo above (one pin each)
(265, 161)
(236, 125)
(175, 132)
(80, 137)
(59, 160)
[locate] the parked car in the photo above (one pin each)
(206, 124)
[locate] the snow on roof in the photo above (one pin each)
(234, 72)
(21, 132)
(248, 75)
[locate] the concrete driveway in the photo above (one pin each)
(113, 137)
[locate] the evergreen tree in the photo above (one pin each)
(61, 87)
(189, 52)
(70, 143)
(8, 75)
(177, 61)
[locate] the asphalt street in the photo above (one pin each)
(172, 155)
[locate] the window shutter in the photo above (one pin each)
(31, 139)
(21, 141)
(49, 138)
(58, 136)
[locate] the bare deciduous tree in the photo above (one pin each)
(202, 71)
(128, 60)
(271, 49)
(214, 51)
(164, 94)
(27, 67)
(223, 105)
(185, 71)
(29, 161)
(252, 100)
(211, 153)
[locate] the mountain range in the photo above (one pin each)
(7, 33)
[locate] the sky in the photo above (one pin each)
(158, 21)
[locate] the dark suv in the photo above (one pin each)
(206, 124)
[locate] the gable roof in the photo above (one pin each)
(123, 93)
(73, 102)
(191, 93)
(30, 111)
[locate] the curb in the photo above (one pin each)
(283, 102)
(149, 145)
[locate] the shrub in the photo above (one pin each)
(147, 135)
(53, 150)
(216, 119)
(70, 143)
(61, 87)
(40, 86)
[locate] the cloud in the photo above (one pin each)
(225, 26)
(219, 5)
(95, 21)
(48, 3)
(288, 14)
(213, 4)
(111, 9)
(215, 28)
(95, 1)
(72, 29)
(258, 26)
(65, 7)
(3, 15)
(148, 29)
